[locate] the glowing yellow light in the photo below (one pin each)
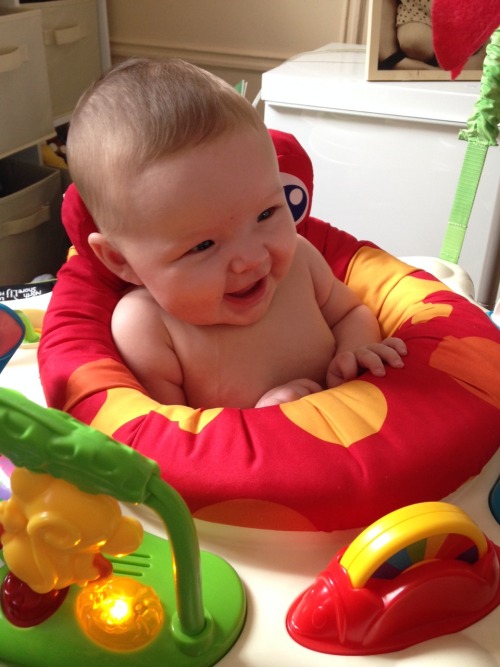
(119, 613)
(119, 610)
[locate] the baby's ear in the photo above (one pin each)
(112, 258)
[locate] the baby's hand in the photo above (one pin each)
(291, 391)
(346, 365)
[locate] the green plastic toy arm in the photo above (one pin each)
(50, 441)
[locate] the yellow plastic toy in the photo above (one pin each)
(428, 525)
(54, 532)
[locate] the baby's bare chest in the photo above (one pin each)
(235, 366)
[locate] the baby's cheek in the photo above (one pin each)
(284, 259)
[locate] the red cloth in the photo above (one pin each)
(460, 28)
(338, 459)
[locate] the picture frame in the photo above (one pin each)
(386, 59)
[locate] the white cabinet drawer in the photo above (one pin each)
(25, 109)
(71, 38)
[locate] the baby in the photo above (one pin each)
(414, 30)
(406, 35)
(229, 306)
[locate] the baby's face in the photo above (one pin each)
(211, 235)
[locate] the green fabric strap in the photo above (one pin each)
(481, 133)
(468, 184)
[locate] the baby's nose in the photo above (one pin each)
(249, 258)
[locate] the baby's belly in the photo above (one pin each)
(239, 375)
(306, 358)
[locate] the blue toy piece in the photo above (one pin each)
(494, 500)
(495, 314)
(12, 332)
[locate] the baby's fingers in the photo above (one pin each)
(390, 356)
(374, 358)
(396, 344)
(343, 367)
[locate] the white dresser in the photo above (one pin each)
(386, 156)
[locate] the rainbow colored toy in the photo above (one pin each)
(417, 573)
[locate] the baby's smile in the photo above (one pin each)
(251, 293)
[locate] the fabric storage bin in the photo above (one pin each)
(71, 38)
(32, 238)
(25, 111)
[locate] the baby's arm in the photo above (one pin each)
(143, 340)
(357, 349)
(291, 391)
(355, 328)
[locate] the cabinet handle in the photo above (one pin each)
(13, 59)
(62, 36)
(12, 227)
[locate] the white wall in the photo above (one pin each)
(233, 38)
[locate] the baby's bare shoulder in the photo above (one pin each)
(310, 260)
(307, 252)
(138, 317)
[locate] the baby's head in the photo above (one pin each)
(182, 179)
(139, 112)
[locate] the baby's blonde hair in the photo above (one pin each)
(138, 112)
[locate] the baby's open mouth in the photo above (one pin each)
(252, 289)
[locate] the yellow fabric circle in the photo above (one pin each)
(334, 415)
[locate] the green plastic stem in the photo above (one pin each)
(185, 554)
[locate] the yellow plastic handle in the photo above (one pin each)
(399, 529)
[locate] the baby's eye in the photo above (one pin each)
(265, 215)
(201, 247)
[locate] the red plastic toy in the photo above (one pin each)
(420, 572)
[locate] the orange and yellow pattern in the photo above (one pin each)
(334, 460)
